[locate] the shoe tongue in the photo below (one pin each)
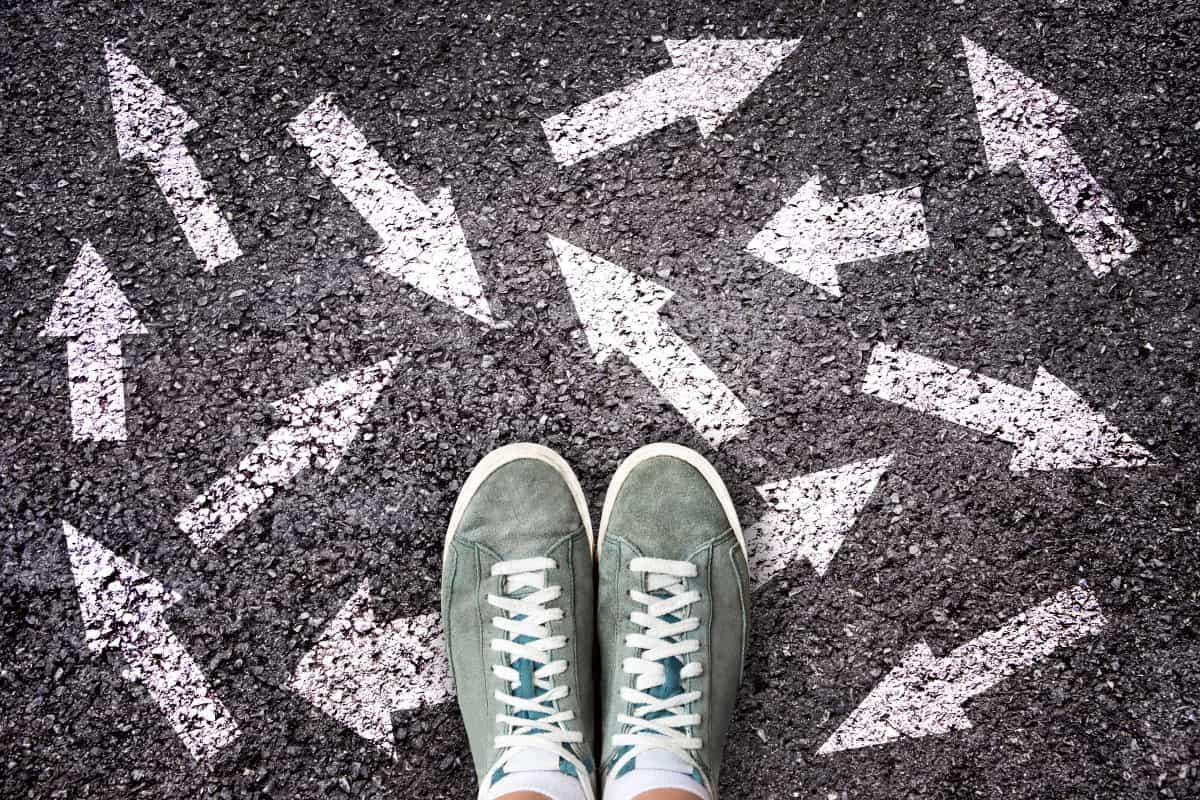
(663, 760)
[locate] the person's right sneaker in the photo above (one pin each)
(671, 623)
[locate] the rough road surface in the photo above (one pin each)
(921, 278)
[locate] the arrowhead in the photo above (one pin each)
(611, 302)
(112, 592)
(910, 701)
(359, 672)
(723, 73)
(430, 253)
(1016, 114)
(808, 516)
(1065, 433)
(328, 416)
(146, 118)
(91, 303)
(795, 239)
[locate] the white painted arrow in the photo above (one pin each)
(808, 516)
(709, 80)
(619, 312)
(423, 245)
(92, 314)
(322, 422)
(1021, 123)
(811, 236)
(1051, 426)
(124, 609)
(152, 127)
(361, 672)
(924, 695)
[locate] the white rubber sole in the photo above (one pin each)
(697, 461)
(506, 455)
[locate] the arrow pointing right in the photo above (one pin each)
(322, 422)
(924, 695)
(361, 672)
(619, 312)
(1051, 426)
(811, 236)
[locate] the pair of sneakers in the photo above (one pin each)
(532, 609)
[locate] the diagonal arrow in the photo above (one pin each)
(620, 314)
(423, 244)
(360, 672)
(322, 422)
(709, 80)
(924, 695)
(810, 236)
(152, 127)
(1051, 426)
(124, 609)
(1021, 123)
(808, 516)
(92, 314)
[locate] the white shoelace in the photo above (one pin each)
(667, 595)
(528, 617)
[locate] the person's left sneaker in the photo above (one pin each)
(518, 601)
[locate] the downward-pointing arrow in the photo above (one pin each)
(811, 236)
(709, 80)
(322, 422)
(619, 312)
(924, 695)
(1021, 123)
(361, 672)
(92, 314)
(423, 245)
(124, 609)
(1051, 426)
(808, 516)
(152, 127)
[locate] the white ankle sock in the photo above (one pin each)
(533, 770)
(656, 769)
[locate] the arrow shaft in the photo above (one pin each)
(1079, 205)
(687, 383)
(620, 116)
(238, 494)
(190, 198)
(955, 395)
(869, 226)
(96, 375)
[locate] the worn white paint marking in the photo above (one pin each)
(709, 80)
(361, 672)
(1051, 426)
(152, 127)
(1021, 123)
(423, 244)
(808, 516)
(620, 314)
(124, 609)
(92, 314)
(322, 423)
(924, 695)
(811, 236)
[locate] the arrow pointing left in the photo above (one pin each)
(322, 423)
(152, 127)
(92, 314)
(125, 610)
(361, 672)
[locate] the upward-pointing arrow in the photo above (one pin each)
(92, 314)
(709, 80)
(152, 127)
(423, 244)
(321, 424)
(124, 609)
(619, 312)
(1021, 122)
